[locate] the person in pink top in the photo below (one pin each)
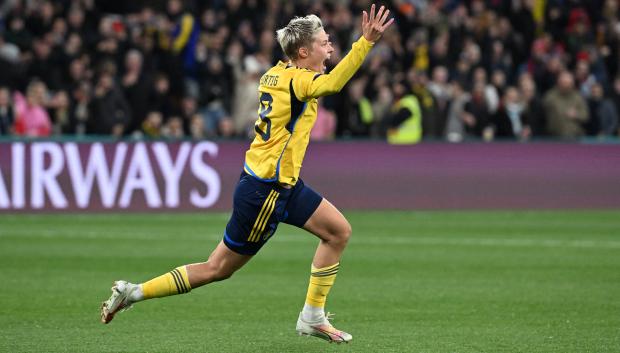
(31, 118)
(325, 125)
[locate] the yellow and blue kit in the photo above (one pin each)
(270, 190)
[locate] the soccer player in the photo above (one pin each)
(270, 190)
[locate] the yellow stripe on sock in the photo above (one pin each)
(182, 272)
(171, 283)
(327, 268)
(325, 273)
(321, 281)
(179, 281)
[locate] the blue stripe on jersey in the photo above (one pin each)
(297, 109)
(251, 172)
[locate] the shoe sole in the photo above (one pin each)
(106, 314)
(322, 335)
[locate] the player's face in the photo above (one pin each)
(321, 51)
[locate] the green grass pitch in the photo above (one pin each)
(500, 281)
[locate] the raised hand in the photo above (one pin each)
(374, 26)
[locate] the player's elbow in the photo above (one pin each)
(334, 90)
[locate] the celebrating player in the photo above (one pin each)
(270, 190)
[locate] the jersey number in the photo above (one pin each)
(265, 122)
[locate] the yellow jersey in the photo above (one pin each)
(287, 112)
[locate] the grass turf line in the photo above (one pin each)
(409, 282)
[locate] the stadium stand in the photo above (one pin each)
(460, 70)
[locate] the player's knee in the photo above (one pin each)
(220, 272)
(224, 273)
(342, 235)
(220, 276)
(346, 234)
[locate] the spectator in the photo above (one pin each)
(77, 73)
(405, 123)
(197, 127)
(7, 117)
(17, 33)
(565, 108)
(455, 125)
(432, 125)
(110, 42)
(359, 109)
(200, 47)
(31, 118)
(60, 110)
(226, 127)
(615, 97)
(499, 60)
(533, 110)
(490, 92)
(160, 98)
(325, 126)
(381, 109)
(41, 20)
(216, 78)
(603, 114)
(80, 113)
(179, 33)
(442, 94)
(499, 81)
(509, 122)
(109, 112)
(136, 83)
(578, 31)
(10, 56)
(245, 97)
(552, 70)
(189, 108)
(71, 52)
(173, 129)
(476, 113)
(43, 66)
(75, 19)
(152, 125)
(584, 80)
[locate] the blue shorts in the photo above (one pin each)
(258, 208)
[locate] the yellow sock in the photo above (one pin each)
(321, 281)
(171, 283)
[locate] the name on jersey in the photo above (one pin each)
(269, 80)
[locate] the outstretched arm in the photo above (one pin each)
(312, 85)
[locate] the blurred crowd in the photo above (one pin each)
(447, 70)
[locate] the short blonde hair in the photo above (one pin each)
(299, 32)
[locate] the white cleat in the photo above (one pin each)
(322, 329)
(118, 301)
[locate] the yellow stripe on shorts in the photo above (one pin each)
(272, 206)
(266, 205)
